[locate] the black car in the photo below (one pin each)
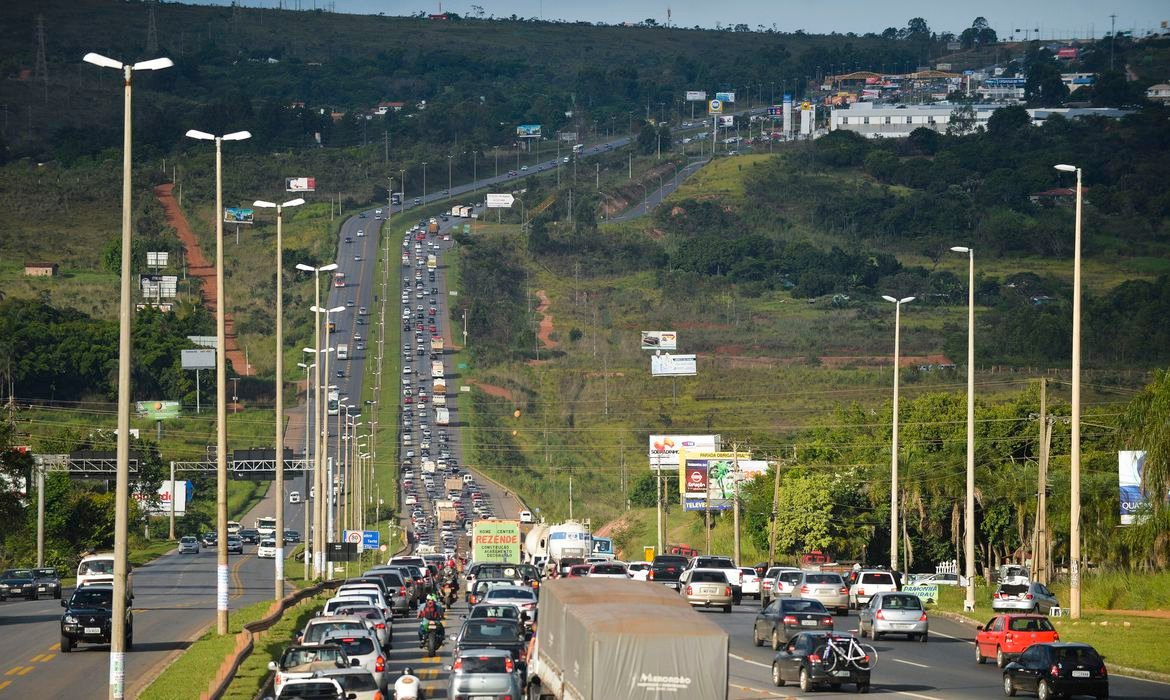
(18, 583)
(811, 659)
(209, 539)
(785, 617)
(251, 536)
(47, 582)
(1057, 669)
(494, 633)
(87, 617)
(666, 569)
(292, 536)
(235, 544)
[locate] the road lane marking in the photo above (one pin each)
(25, 670)
(13, 671)
(766, 693)
(908, 694)
(55, 647)
(5, 684)
(947, 636)
(47, 657)
(737, 657)
(910, 663)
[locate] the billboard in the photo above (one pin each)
(696, 95)
(667, 365)
(707, 479)
(157, 258)
(570, 136)
(715, 107)
(300, 184)
(664, 449)
(198, 359)
(496, 540)
(776, 111)
(237, 215)
(159, 410)
(659, 340)
(500, 200)
(725, 96)
(694, 479)
(159, 286)
(528, 131)
(726, 120)
(178, 490)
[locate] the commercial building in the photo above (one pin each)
(874, 120)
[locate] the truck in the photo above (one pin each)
(437, 344)
(445, 514)
(396, 198)
(453, 484)
(432, 263)
(578, 148)
(342, 351)
(440, 386)
(587, 627)
(455, 210)
(428, 466)
(442, 416)
(266, 526)
(465, 212)
(437, 370)
(439, 399)
(433, 227)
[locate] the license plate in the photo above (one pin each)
(1080, 674)
(710, 590)
(840, 673)
(808, 623)
(481, 697)
(904, 626)
(93, 630)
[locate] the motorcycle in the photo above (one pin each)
(432, 636)
(449, 593)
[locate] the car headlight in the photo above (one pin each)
(70, 620)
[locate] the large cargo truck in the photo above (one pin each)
(437, 371)
(442, 416)
(432, 263)
(437, 344)
(603, 638)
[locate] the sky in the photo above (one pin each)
(1055, 19)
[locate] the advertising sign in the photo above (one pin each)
(694, 478)
(718, 471)
(1130, 465)
(198, 359)
(500, 201)
(167, 490)
(157, 258)
(727, 120)
(160, 286)
(667, 365)
(928, 594)
(237, 215)
(664, 449)
(725, 96)
(696, 95)
(496, 540)
(528, 131)
(715, 107)
(300, 184)
(159, 410)
(776, 111)
(569, 136)
(659, 340)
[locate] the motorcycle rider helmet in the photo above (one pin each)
(431, 598)
(408, 671)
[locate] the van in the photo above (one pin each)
(525, 516)
(869, 583)
(468, 479)
(99, 568)
(233, 527)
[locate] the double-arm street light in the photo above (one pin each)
(894, 448)
(221, 602)
(122, 489)
(969, 506)
(278, 456)
(305, 495)
(1074, 530)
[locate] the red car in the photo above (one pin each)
(1005, 637)
(433, 329)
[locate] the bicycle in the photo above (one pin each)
(845, 653)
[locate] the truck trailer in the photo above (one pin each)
(437, 371)
(602, 638)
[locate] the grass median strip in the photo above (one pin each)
(254, 670)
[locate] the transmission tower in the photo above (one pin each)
(151, 28)
(41, 71)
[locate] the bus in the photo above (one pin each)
(334, 402)
(338, 279)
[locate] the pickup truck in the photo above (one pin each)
(666, 568)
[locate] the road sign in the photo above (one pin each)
(371, 539)
(775, 111)
(715, 107)
(352, 536)
(500, 201)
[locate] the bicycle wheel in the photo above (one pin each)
(867, 659)
(831, 657)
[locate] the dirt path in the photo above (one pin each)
(546, 322)
(199, 267)
(493, 390)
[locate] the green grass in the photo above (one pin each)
(268, 646)
(189, 675)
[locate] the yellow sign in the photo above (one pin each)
(715, 107)
(648, 553)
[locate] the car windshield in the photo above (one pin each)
(1030, 624)
(85, 597)
(313, 690)
(708, 577)
(18, 573)
(802, 605)
(299, 656)
(45, 573)
(902, 602)
(484, 664)
(490, 631)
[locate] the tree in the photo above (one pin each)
(1044, 86)
(962, 120)
(1111, 89)
(648, 139)
(979, 34)
(1007, 120)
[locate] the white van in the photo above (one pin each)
(468, 479)
(525, 516)
(96, 568)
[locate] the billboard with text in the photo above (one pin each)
(237, 215)
(667, 365)
(300, 184)
(726, 120)
(664, 449)
(528, 131)
(725, 96)
(659, 340)
(696, 95)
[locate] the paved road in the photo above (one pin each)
(655, 197)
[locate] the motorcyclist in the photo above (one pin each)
(431, 612)
(408, 687)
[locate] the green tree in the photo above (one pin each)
(648, 139)
(1044, 86)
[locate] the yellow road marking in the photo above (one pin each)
(24, 670)
(13, 671)
(237, 583)
(55, 647)
(36, 658)
(47, 657)
(5, 684)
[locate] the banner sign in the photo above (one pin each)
(159, 410)
(496, 540)
(500, 201)
(709, 476)
(667, 365)
(928, 594)
(776, 111)
(696, 95)
(237, 215)
(300, 184)
(695, 478)
(167, 491)
(664, 449)
(528, 131)
(371, 539)
(659, 340)
(725, 96)
(1130, 465)
(727, 120)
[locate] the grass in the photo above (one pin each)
(253, 672)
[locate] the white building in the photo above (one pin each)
(897, 121)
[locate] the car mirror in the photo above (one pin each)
(64, 603)
(272, 666)
(978, 628)
(355, 662)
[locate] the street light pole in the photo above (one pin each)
(117, 673)
(278, 456)
(221, 602)
(424, 197)
(894, 448)
(448, 177)
(305, 539)
(1074, 534)
(969, 516)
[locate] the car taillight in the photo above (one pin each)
(381, 625)
(402, 591)
(860, 591)
(508, 665)
(922, 617)
(1104, 673)
(789, 620)
(458, 665)
(473, 600)
(1055, 637)
(844, 590)
(878, 615)
(827, 621)
(767, 585)
(803, 589)
(688, 590)
(727, 591)
(378, 695)
(650, 576)
(814, 658)
(379, 665)
(1027, 596)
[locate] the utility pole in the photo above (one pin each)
(1112, 38)
(1040, 552)
(775, 516)
(735, 505)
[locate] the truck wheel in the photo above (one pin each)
(66, 644)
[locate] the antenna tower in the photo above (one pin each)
(151, 28)
(41, 71)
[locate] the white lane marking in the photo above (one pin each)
(910, 663)
(947, 636)
(916, 695)
(737, 657)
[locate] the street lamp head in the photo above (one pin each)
(327, 268)
(201, 135)
(312, 350)
(293, 202)
(99, 60)
(306, 268)
(961, 249)
(890, 299)
(264, 205)
(154, 64)
(905, 300)
(1066, 168)
(237, 136)
(335, 310)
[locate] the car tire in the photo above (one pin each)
(1001, 659)
(863, 688)
(756, 638)
(775, 640)
(1044, 691)
(922, 637)
(979, 657)
(806, 685)
(66, 644)
(874, 634)
(1009, 688)
(777, 679)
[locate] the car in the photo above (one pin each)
(809, 660)
(300, 662)
(357, 258)
(318, 627)
(868, 582)
(266, 549)
(522, 597)
(248, 535)
(17, 583)
(348, 239)
(942, 580)
(707, 588)
(47, 581)
(235, 544)
(360, 233)
(1033, 597)
(188, 545)
(363, 651)
(498, 633)
(291, 536)
(1005, 637)
(783, 618)
(88, 617)
(209, 539)
(294, 497)
(356, 683)
(751, 582)
(727, 565)
(639, 570)
(1056, 669)
(523, 168)
(827, 587)
(609, 569)
(487, 673)
(769, 583)
(349, 303)
(891, 612)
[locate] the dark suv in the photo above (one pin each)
(667, 568)
(88, 617)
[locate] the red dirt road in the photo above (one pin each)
(546, 321)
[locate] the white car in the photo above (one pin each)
(639, 570)
(365, 648)
(751, 582)
(941, 580)
(609, 569)
(294, 497)
(266, 549)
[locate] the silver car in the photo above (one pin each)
(484, 673)
(356, 683)
(890, 612)
(188, 545)
(828, 588)
(362, 649)
(1033, 597)
(707, 588)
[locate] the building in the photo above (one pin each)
(1159, 93)
(874, 120)
(384, 107)
(40, 269)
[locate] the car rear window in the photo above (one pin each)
(708, 577)
(609, 570)
(308, 655)
(802, 605)
(510, 594)
(902, 602)
(823, 578)
(506, 611)
(713, 563)
(1077, 655)
(484, 664)
(319, 630)
(309, 691)
(790, 576)
(354, 646)
(494, 631)
(669, 560)
(1030, 624)
(878, 578)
